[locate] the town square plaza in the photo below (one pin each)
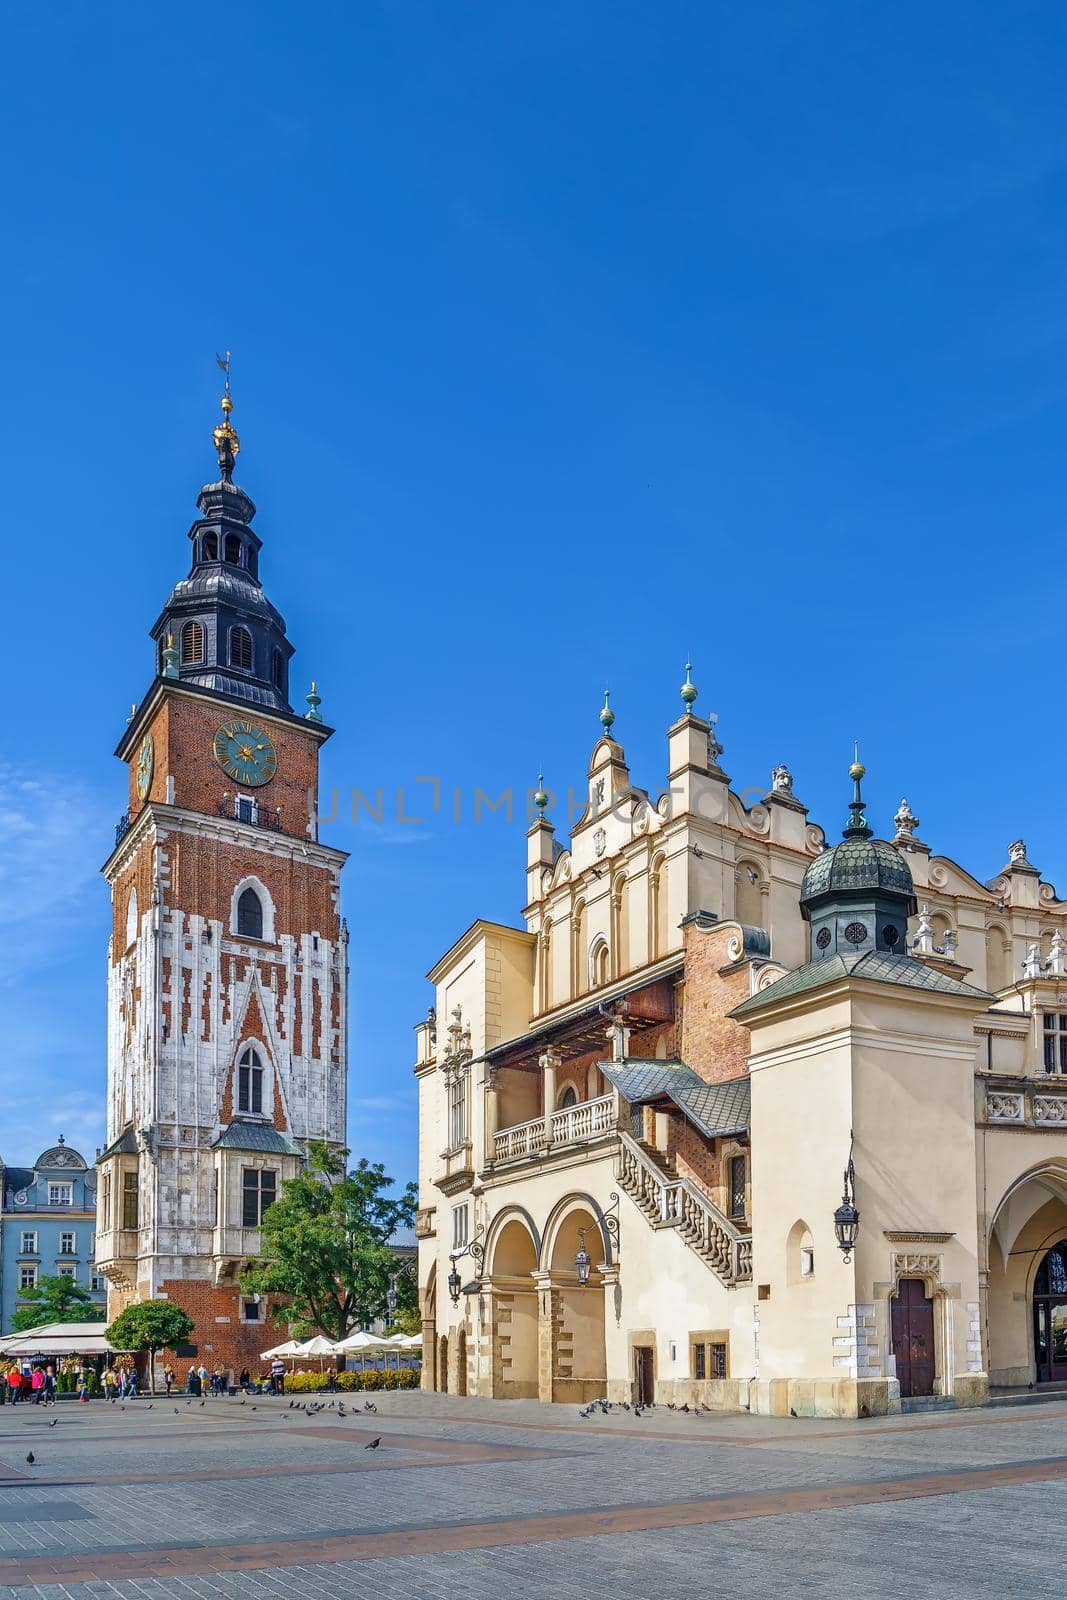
(473, 1497)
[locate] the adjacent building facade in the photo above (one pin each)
(47, 1227)
(641, 1110)
(227, 1034)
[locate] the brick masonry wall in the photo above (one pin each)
(229, 1342)
(184, 728)
(714, 1046)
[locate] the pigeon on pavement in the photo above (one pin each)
(372, 1446)
(31, 1458)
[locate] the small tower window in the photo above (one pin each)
(241, 648)
(250, 1083)
(278, 669)
(192, 643)
(209, 547)
(233, 549)
(249, 915)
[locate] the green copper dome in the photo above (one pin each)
(857, 864)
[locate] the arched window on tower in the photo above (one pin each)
(233, 549)
(192, 643)
(250, 1083)
(241, 648)
(209, 547)
(249, 915)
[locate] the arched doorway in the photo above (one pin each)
(579, 1354)
(511, 1259)
(1050, 1316)
(442, 1364)
(1025, 1315)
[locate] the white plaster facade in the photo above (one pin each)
(715, 1272)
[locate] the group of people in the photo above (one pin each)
(199, 1381)
(37, 1384)
(120, 1383)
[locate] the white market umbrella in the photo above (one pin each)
(364, 1344)
(289, 1348)
(318, 1346)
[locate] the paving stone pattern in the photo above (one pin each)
(487, 1499)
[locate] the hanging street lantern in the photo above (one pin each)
(582, 1261)
(390, 1298)
(846, 1217)
(454, 1283)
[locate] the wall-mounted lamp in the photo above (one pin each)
(846, 1217)
(475, 1249)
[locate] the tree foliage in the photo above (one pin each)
(150, 1325)
(56, 1299)
(327, 1243)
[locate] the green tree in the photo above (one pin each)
(326, 1243)
(55, 1300)
(150, 1325)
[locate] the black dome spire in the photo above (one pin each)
(226, 634)
(858, 895)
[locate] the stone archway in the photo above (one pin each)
(510, 1289)
(1030, 1220)
(573, 1351)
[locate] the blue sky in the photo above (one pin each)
(567, 339)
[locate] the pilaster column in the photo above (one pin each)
(547, 1330)
(492, 1114)
(549, 1062)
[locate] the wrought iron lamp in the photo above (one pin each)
(847, 1217)
(390, 1298)
(582, 1261)
(475, 1249)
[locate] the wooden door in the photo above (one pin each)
(913, 1338)
(644, 1381)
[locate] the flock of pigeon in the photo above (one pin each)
(310, 1408)
(604, 1406)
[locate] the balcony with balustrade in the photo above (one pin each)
(583, 1122)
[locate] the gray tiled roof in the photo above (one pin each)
(873, 966)
(124, 1145)
(638, 1081)
(255, 1136)
(717, 1109)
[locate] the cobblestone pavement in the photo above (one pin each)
(485, 1499)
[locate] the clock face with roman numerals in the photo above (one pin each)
(245, 753)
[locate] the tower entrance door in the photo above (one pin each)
(913, 1338)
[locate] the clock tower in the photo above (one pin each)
(227, 969)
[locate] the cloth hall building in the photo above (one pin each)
(650, 1115)
(228, 962)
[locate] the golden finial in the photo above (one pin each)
(857, 770)
(226, 441)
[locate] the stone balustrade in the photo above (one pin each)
(676, 1202)
(588, 1119)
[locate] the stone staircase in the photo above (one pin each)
(670, 1201)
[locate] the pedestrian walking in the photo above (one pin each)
(111, 1385)
(14, 1384)
(37, 1385)
(277, 1376)
(168, 1378)
(49, 1385)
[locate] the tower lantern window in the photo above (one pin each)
(233, 549)
(241, 648)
